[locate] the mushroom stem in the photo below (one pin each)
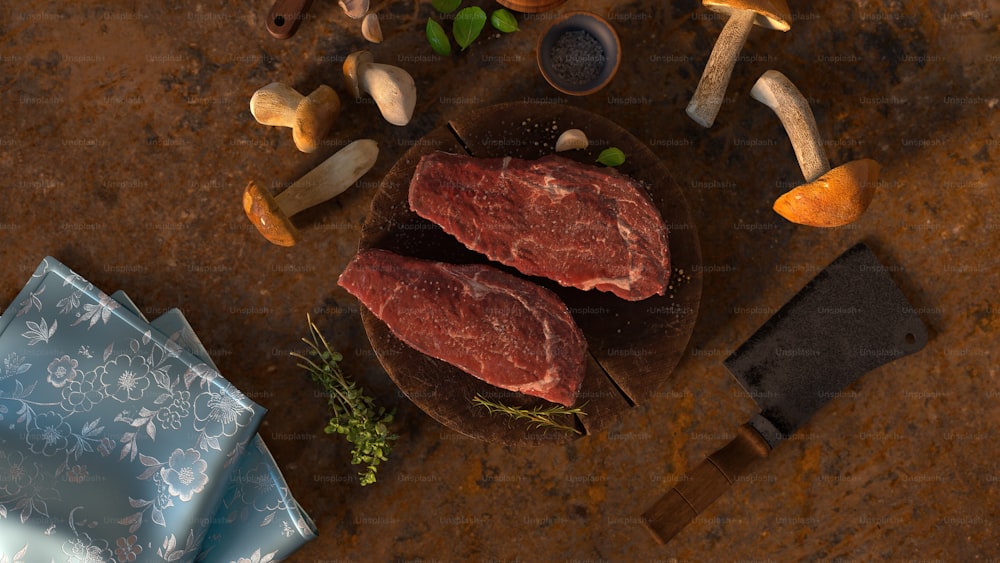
(275, 104)
(330, 179)
(704, 105)
(393, 88)
(777, 92)
(393, 91)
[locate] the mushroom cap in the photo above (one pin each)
(314, 117)
(265, 214)
(352, 69)
(771, 14)
(834, 199)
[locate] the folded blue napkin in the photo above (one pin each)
(115, 443)
(258, 516)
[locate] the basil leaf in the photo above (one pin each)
(468, 25)
(438, 38)
(611, 156)
(446, 6)
(503, 21)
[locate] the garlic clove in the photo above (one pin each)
(571, 139)
(355, 9)
(370, 28)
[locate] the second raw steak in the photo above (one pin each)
(580, 225)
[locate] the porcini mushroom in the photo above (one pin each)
(393, 88)
(829, 198)
(743, 15)
(310, 117)
(371, 29)
(272, 214)
(355, 9)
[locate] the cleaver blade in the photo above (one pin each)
(848, 320)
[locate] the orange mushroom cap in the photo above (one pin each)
(265, 214)
(771, 14)
(834, 199)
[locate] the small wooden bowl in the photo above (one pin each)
(529, 7)
(599, 29)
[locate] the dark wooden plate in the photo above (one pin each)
(633, 346)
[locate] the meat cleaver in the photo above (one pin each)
(850, 319)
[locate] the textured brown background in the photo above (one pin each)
(126, 142)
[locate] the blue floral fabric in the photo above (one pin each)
(115, 443)
(258, 519)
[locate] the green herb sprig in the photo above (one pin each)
(355, 414)
(540, 417)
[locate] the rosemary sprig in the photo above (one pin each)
(540, 417)
(354, 414)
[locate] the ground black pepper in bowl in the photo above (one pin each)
(579, 53)
(577, 57)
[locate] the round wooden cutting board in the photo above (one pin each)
(633, 346)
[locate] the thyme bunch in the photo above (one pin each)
(354, 414)
(540, 417)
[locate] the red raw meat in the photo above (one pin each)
(580, 225)
(505, 330)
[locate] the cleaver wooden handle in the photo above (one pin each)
(285, 17)
(705, 483)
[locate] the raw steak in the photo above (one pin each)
(580, 225)
(507, 331)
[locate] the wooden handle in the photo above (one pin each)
(285, 17)
(705, 483)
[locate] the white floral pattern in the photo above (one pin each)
(17, 557)
(184, 474)
(125, 378)
(13, 365)
(176, 409)
(15, 475)
(218, 413)
(62, 370)
(89, 398)
(258, 511)
(256, 557)
(83, 549)
(48, 434)
(82, 394)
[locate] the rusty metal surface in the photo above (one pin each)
(126, 142)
